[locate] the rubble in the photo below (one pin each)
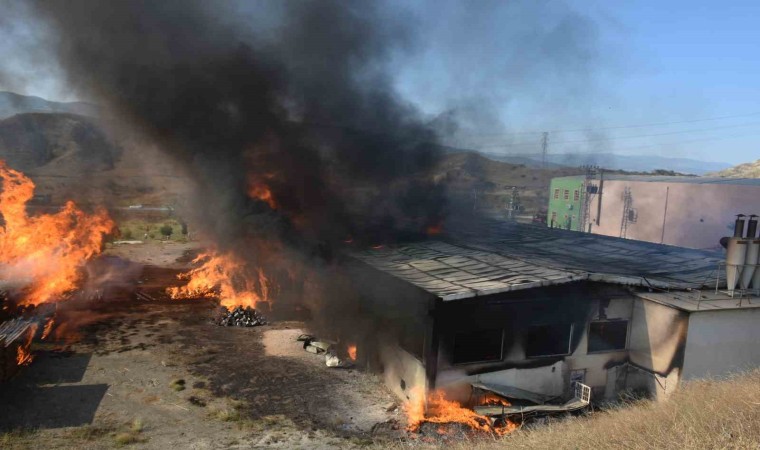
(15, 339)
(238, 317)
(327, 348)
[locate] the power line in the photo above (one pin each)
(620, 127)
(580, 141)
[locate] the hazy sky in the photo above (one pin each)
(507, 70)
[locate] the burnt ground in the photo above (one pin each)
(159, 375)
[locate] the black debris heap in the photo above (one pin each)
(238, 317)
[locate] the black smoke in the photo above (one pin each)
(293, 95)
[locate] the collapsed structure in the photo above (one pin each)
(526, 312)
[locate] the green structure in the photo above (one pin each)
(566, 203)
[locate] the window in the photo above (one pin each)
(607, 336)
(548, 340)
(576, 195)
(556, 194)
(554, 218)
(567, 194)
(478, 346)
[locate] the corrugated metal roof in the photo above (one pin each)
(489, 256)
(676, 179)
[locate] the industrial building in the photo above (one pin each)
(690, 212)
(527, 311)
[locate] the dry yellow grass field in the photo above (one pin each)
(705, 414)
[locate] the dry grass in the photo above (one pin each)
(707, 414)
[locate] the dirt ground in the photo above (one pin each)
(157, 374)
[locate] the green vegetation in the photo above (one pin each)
(166, 230)
(145, 230)
(177, 385)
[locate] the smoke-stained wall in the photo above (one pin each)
(577, 304)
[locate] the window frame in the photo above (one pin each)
(554, 355)
(556, 194)
(567, 194)
(625, 344)
(480, 361)
(576, 195)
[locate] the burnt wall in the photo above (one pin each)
(540, 328)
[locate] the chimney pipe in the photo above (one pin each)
(752, 226)
(739, 225)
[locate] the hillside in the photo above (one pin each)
(485, 184)
(69, 142)
(746, 170)
(611, 161)
(12, 104)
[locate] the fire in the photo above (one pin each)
(48, 328)
(23, 354)
(489, 399)
(47, 249)
(259, 190)
(433, 230)
(225, 276)
(352, 352)
(439, 410)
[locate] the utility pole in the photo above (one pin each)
(544, 147)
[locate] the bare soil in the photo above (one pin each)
(158, 374)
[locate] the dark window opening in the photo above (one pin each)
(548, 340)
(556, 194)
(576, 195)
(478, 346)
(607, 336)
(567, 194)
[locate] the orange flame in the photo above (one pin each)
(489, 399)
(259, 190)
(47, 249)
(433, 230)
(23, 353)
(48, 328)
(225, 276)
(352, 352)
(439, 410)
(23, 356)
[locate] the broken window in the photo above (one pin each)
(478, 346)
(548, 340)
(605, 336)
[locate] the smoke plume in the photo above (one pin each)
(283, 113)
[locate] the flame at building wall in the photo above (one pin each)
(434, 408)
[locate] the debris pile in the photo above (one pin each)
(321, 347)
(15, 342)
(238, 317)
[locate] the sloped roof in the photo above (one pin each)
(491, 256)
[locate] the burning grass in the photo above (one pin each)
(225, 276)
(704, 414)
(436, 409)
(48, 250)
